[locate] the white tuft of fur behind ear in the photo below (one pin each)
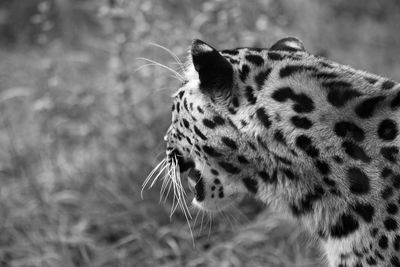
(293, 44)
(288, 44)
(204, 48)
(190, 72)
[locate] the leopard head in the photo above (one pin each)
(220, 155)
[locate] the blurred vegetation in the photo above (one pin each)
(82, 124)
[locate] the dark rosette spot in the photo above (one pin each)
(344, 226)
(209, 123)
(211, 151)
(302, 102)
(278, 136)
(263, 117)
(228, 167)
(339, 92)
(322, 167)
(355, 151)
(275, 56)
(250, 184)
(395, 103)
(250, 95)
(199, 133)
(244, 72)
(387, 130)
(261, 77)
(301, 122)
(229, 142)
(218, 120)
(390, 224)
(388, 84)
(358, 180)
(254, 59)
(367, 107)
(349, 129)
(304, 143)
(390, 153)
(366, 211)
(289, 70)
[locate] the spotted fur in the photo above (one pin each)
(314, 138)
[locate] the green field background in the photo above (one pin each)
(83, 112)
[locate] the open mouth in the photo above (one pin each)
(184, 165)
(196, 184)
(195, 180)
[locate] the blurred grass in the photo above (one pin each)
(81, 129)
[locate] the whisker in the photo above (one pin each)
(169, 190)
(148, 178)
(173, 208)
(191, 151)
(160, 168)
(177, 190)
(226, 218)
(173, 76)
(175, 202)
(151, 175)
(202, 169)
(165, 184)
(178, 76)
(143, 66)
(181, 199)
(195, 219)
(188, 223)
(211, 221)
(171, 181)
(157, 176)
(182, 192)
(242, 217)
(179, 182)
(161, 152)
(234, 220)
(153, 64)
(202, 220)
(171, 53)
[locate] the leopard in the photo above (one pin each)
(314, 139)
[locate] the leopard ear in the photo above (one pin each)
(288, 44)
(215, 71)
